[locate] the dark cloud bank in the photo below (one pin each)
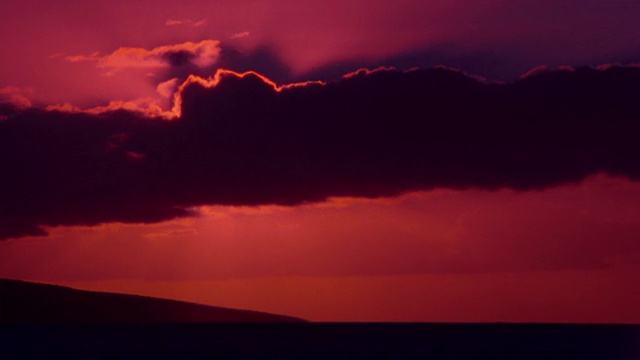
(372, 134)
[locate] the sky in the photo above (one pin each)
(338, 161)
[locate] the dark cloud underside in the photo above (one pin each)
(373, 134)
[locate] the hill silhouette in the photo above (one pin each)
(33, 303)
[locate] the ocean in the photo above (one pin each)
(323, 341)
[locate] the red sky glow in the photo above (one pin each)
(230, 153)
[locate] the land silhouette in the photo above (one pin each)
(33, 303)
(37, 320)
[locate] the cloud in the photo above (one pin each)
(15, 98)
(199, 23)
(240, 35)
(174, 22)
(535, 71)
(202, 54)
(82, 58)
(167, 88)
(593, 225)
(163, 63)
(149, 107)
(241, 139)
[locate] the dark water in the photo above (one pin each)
(326, 341)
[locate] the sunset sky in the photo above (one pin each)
(365, 160)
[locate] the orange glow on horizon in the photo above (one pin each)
(542, 297)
